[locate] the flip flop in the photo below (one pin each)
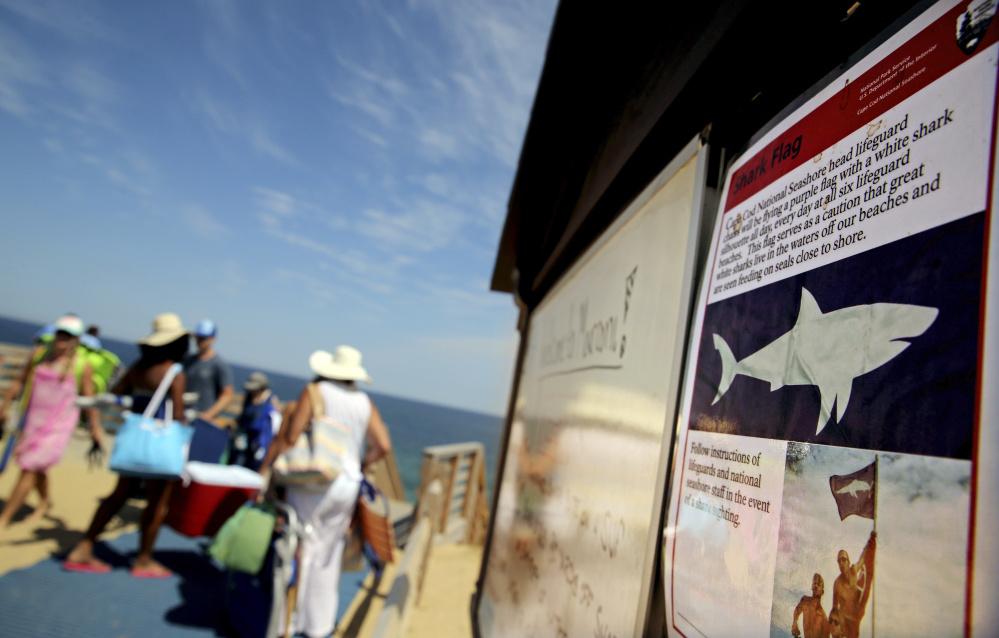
(85, 568)
(149, 573)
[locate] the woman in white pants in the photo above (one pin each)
(326, 509)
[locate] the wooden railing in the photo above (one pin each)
(411, 571)
(461, 469)
(451, 507)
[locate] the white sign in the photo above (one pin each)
(830, 476)
(574, 535)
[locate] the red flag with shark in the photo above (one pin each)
(855, 493)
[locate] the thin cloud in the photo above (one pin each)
(202, 223)
(351, 264)
(369, 269)
(382, 114)
(222, 36)
(473, 87)
(223, 117)
(500, 49)
(463, 107)
(325, 292)
(91, 96)
(438, 184)
(136, 174)
(374, 138)
(438, 145)
(217, 112)
(274, 201)
(387, 83)
(233, 281)
(76, 20)
(318, 290)
(140, 163)
(462, 300)
(53, 145)
(19, 71)
(119, 178)
(93, 86)
(272, 228)
(425, 226)
(261, 140)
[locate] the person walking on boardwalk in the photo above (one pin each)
(326, 508)
(258, 422)
(207, 374)
(51, 382)
(161, 349)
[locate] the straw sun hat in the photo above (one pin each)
(166, 329)
(344, 364)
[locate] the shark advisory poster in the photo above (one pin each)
(834, 469)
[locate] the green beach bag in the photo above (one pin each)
(242, 543)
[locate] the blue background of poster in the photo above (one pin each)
(921, 402)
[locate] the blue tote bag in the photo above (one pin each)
(152, 448)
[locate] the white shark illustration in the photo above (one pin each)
(854, 487)
(829, 350)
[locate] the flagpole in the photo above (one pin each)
(874, 602)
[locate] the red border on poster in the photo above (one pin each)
(887, 84)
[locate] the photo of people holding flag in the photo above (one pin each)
(846, 565)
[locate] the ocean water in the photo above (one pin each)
(413, 425)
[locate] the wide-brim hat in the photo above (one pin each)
(344, 364)
(166, 329)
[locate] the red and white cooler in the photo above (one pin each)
(208, 495)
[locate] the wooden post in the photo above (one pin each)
(452, 480)
(431, 510)
(469, 509)
(426, 472)
(481, 512)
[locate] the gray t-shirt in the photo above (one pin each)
(207, 378)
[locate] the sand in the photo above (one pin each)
(75, 491)
(443, 609)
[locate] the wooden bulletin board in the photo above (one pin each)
(577, 518)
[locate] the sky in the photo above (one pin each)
(307, 174)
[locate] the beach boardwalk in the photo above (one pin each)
(40, 600)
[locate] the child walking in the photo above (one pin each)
(51, 383)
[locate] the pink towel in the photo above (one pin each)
(50, 420)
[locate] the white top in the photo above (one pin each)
(352, 408)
